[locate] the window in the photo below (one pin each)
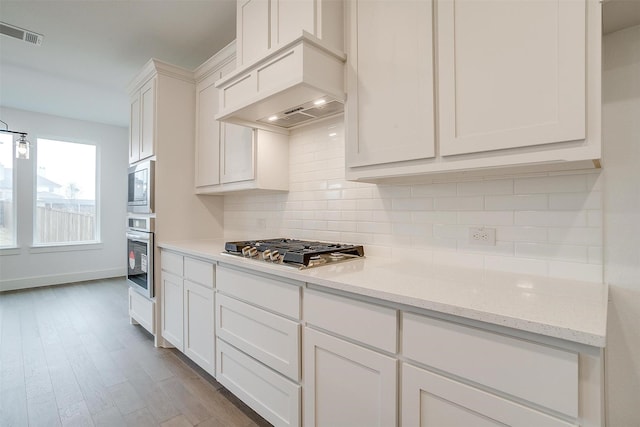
(66, 193)
(7, 217)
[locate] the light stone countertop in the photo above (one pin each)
(567, 309)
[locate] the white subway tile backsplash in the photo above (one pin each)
(546, 223)
(550, 251)
(521, 234)
(433, 190)
(501, 186)
(551, 218)
(575, 201)
(458, 203)
(486, 218)
(551, 184)
(522, 202)
(419, 204)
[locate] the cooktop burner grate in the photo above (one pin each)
(290, 251)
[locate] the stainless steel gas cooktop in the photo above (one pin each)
(295, 253)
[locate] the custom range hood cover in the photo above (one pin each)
(298, 83)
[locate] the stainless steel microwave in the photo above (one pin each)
(140, 194)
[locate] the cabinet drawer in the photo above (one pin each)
(269, 394)
(198, 271)
(429, 399)
(368, 323)
(279, 296)
(540, 374)
(273, 340)
(171, 262)
(141, 310)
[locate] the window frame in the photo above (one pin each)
(13, 248)
(47, 247)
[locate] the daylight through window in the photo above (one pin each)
(66, 193)
(7, 207)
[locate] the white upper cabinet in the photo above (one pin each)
(390, 82)
(142, 122)
(511, 74)
(237, 152)
(253, 27)
(231, 157)
(515, 87)
(266, 25)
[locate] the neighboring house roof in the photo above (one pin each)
(6, 182)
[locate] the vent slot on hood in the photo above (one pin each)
(304, 113)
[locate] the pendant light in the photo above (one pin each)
(22, 145)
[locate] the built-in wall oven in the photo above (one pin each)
(141, 178)
(140, 247)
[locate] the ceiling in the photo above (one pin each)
(93, 48)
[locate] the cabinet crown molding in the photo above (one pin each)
(221, 58)
(156, 67)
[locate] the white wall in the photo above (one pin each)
(26, 269)
(547, 224)
(621, 134)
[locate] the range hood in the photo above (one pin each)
(296, 84)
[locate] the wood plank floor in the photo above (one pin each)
(69, 357)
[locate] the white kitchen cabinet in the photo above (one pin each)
(265, 336)
(511, 74)
(390, 78)
(187, 316)
(230, 157)
(172, 309)
(141, 311)
(199, 337)
(208, 129)
(431, 400)
(142, 122)
(237, 153)
(266, 25)
(258, 342)
(518, 88)
(346, 384)
(271, 395)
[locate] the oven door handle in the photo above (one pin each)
(138, 238)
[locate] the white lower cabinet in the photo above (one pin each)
(141, 310)
(431, 400)
(187, 318)
(198, 325)
(346, 384)
(268, 393)
(258, 342)
(172, 309)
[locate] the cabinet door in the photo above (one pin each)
(134, 129)
(237, 153)
(347, 385)
(198, 325)
(148, 118)
(510, 73)
(253, 30)
(290, 17)
(430, 400)
(207, 133)
(172, 310)
(389, 115)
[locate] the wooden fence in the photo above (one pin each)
(54, 225)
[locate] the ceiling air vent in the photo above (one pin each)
(21, 34)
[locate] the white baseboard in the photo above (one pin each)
(80, 276)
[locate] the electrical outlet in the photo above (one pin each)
(482, 236)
